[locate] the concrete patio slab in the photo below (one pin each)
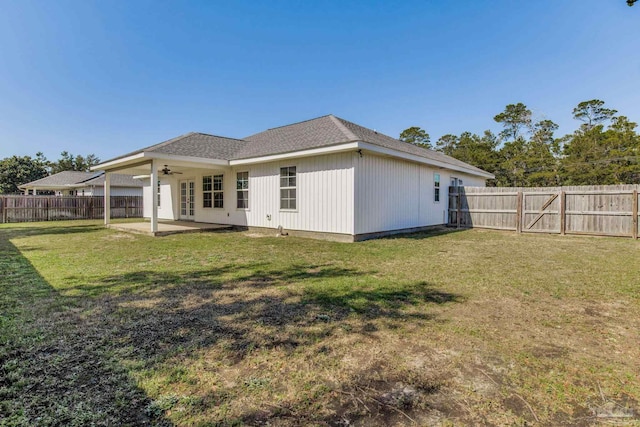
(169, 227)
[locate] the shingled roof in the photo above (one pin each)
(195, 144)
(320, 132)
(74, 179)
(61, 179)
(331, 130)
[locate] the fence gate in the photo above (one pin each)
(540, 212)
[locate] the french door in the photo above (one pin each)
(187, 199)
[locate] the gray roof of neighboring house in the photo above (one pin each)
(315, 133)
(117, 180)
(81, 179)
(61, 179)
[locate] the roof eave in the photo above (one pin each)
(330, 149)
(359, 145)
(420, 159)
(48, 187)
(145, 158)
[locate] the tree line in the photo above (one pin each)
(604, 149)
(18, 170)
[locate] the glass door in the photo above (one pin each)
(187, 199)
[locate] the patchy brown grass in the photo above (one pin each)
(446, 328)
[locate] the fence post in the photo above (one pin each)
(458, 207)
(563, 210)
(519, 212)
(634, 212)
(4, 210)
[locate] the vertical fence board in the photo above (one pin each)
(634, 201)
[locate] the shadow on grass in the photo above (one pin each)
(84, 346)
(292, 312)
(426, 234)
(54, 370)
(23, 230)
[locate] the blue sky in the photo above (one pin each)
(108, 77)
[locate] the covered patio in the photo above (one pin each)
(165, 228)
(151, 165)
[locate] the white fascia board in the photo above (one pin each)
(136, 159)
(358, 145)
(419, 159)
(118, 163)
(295, 154)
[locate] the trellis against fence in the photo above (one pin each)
(50, 208)
(602, 210)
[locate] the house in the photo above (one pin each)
(74, 183)
(325, 178)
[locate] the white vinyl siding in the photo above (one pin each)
(393, 194)
(335, 193)
(169, 195)
(98, 190)
(324, 196)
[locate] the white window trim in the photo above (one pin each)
(280, 187)
(207, 192)
(214, 191)
(243, 190)
(437, 187)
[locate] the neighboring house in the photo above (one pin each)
(73, 183)
(324, 177)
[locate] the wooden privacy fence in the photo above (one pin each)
(50, 208)
(602, 210)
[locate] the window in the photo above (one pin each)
(207, 195)
(436, 187)
(218, 194)
(288, 187)
(242, 190)
(158, 191)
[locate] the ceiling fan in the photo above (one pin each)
(167, 171)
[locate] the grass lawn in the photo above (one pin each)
(476, 327)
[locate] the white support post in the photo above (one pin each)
(107, 198)
(154, 197)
